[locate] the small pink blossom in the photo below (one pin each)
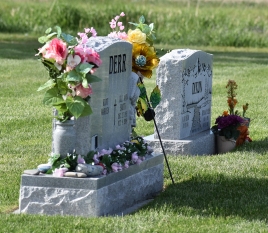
(134, 157)
(82, 91)
(83, 37)
(115, 167)
(122, 28)
(59, 172)
(80, 160)
(96, 158)
(106, 152)
(126, 165)
(93, 57)
(116, 17)
(119, 24)
(122, 14)
(57, 50)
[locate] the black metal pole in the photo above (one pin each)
(158, 134)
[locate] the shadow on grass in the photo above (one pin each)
(218, 196)
(18, 50)
(233, 57)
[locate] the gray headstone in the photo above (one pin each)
(110, 123)
(185, 80)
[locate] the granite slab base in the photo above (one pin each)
(92, 197)
(199, 144)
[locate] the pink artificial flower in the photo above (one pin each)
(59, 172)
(115, 167)
(79, 50)
(122, 14)
(134, 157)
(82, 91)
(116, 17)
(93, 57)
(106, 152)
(119, 24)
(57, 50)
(122, 28)
(112, 24)
(93, 32)
(126, 165)
(83, 37)
(96, 158)
(72, 61)
(80, 160)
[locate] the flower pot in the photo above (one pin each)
(64, 138)
(225, 145)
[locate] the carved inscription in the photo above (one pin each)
(206, 117)
(123, 112)
(196, 87)
(117, 64)
(105, 109)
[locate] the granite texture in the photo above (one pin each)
(88, 197)
(199, 144)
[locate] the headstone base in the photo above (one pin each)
(91, 197)
(199, 144)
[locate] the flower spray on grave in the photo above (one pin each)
(144, 61)
(230, 124)
(71, 65)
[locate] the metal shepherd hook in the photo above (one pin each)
(152, 114)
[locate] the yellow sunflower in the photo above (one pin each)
(144, 59)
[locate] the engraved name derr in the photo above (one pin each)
(117, 64)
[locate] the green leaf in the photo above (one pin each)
(135, 24)
(48, 30)
(44, 39)
(92, 78)
(146, 29)
(78, 107)
(155, 97)
(142, 19)
(84, 68)
(52, 97)
(58, 31)
(142, 106)
(50, 83)
(85, 83)
(87, 110)
(143, 92)
(70, 40)
(73, 76)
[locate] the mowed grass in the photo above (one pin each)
(221, 193)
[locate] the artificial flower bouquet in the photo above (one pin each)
(144, 60)
(71, 65)
(112, 160)
(231, 125)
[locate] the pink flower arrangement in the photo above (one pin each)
(71, 64)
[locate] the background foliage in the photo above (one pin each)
(192, 22)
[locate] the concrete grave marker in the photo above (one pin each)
(185, 80)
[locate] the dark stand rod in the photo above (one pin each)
(158, 134)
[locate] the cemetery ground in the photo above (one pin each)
(219, 193)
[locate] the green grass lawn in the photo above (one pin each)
(221, 193)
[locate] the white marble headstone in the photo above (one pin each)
(185, 80)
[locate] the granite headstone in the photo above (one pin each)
(184, 77)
